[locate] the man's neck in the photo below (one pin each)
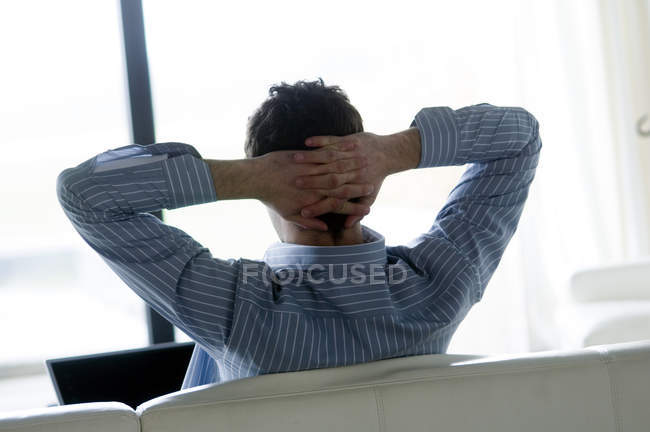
(349, 236)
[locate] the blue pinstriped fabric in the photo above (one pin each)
(306, 307)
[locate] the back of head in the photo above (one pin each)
(294, 112)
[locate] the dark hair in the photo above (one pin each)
(294, 112)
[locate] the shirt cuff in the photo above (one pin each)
(185, 173)
(439, 137)
(189, 181)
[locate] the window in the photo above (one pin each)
(63, 101)
(212, 64)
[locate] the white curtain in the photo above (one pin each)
(583, 71)
(558, 59)
(626, 31)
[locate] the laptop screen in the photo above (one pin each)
(131, 376)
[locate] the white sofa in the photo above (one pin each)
(96, 417)
(600, 388)
(608, 304)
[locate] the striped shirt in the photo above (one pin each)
(306, 307)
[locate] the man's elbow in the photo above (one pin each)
(66, 182)
(532, 121)
(62, 184)
(528, 128)
(534, 139)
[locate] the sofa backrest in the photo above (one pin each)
(95, 417)
(605, 388)
(601, 388)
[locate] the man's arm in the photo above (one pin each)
(107, 199)
(502, 144)
(481, 214)
(271, 178)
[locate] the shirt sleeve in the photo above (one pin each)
(107, 199)
(501, 146)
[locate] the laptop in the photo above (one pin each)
(131, 376)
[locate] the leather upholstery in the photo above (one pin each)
(609, 304)
(584, 390)
(604, 322)
(95, 417)
(628, 281)
(601, 388)
(628, 367)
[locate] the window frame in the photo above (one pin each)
(142, 124)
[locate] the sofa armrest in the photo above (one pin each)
(628, 281)
(96, 417)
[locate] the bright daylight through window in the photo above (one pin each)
(576, 66)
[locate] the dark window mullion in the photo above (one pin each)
(142, 125)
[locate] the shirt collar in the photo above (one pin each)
(372, 251)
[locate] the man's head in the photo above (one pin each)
(294, 112)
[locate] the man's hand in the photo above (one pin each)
(281, 177)
(385, 155)
(277, 179)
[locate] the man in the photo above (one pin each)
(330, 293)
